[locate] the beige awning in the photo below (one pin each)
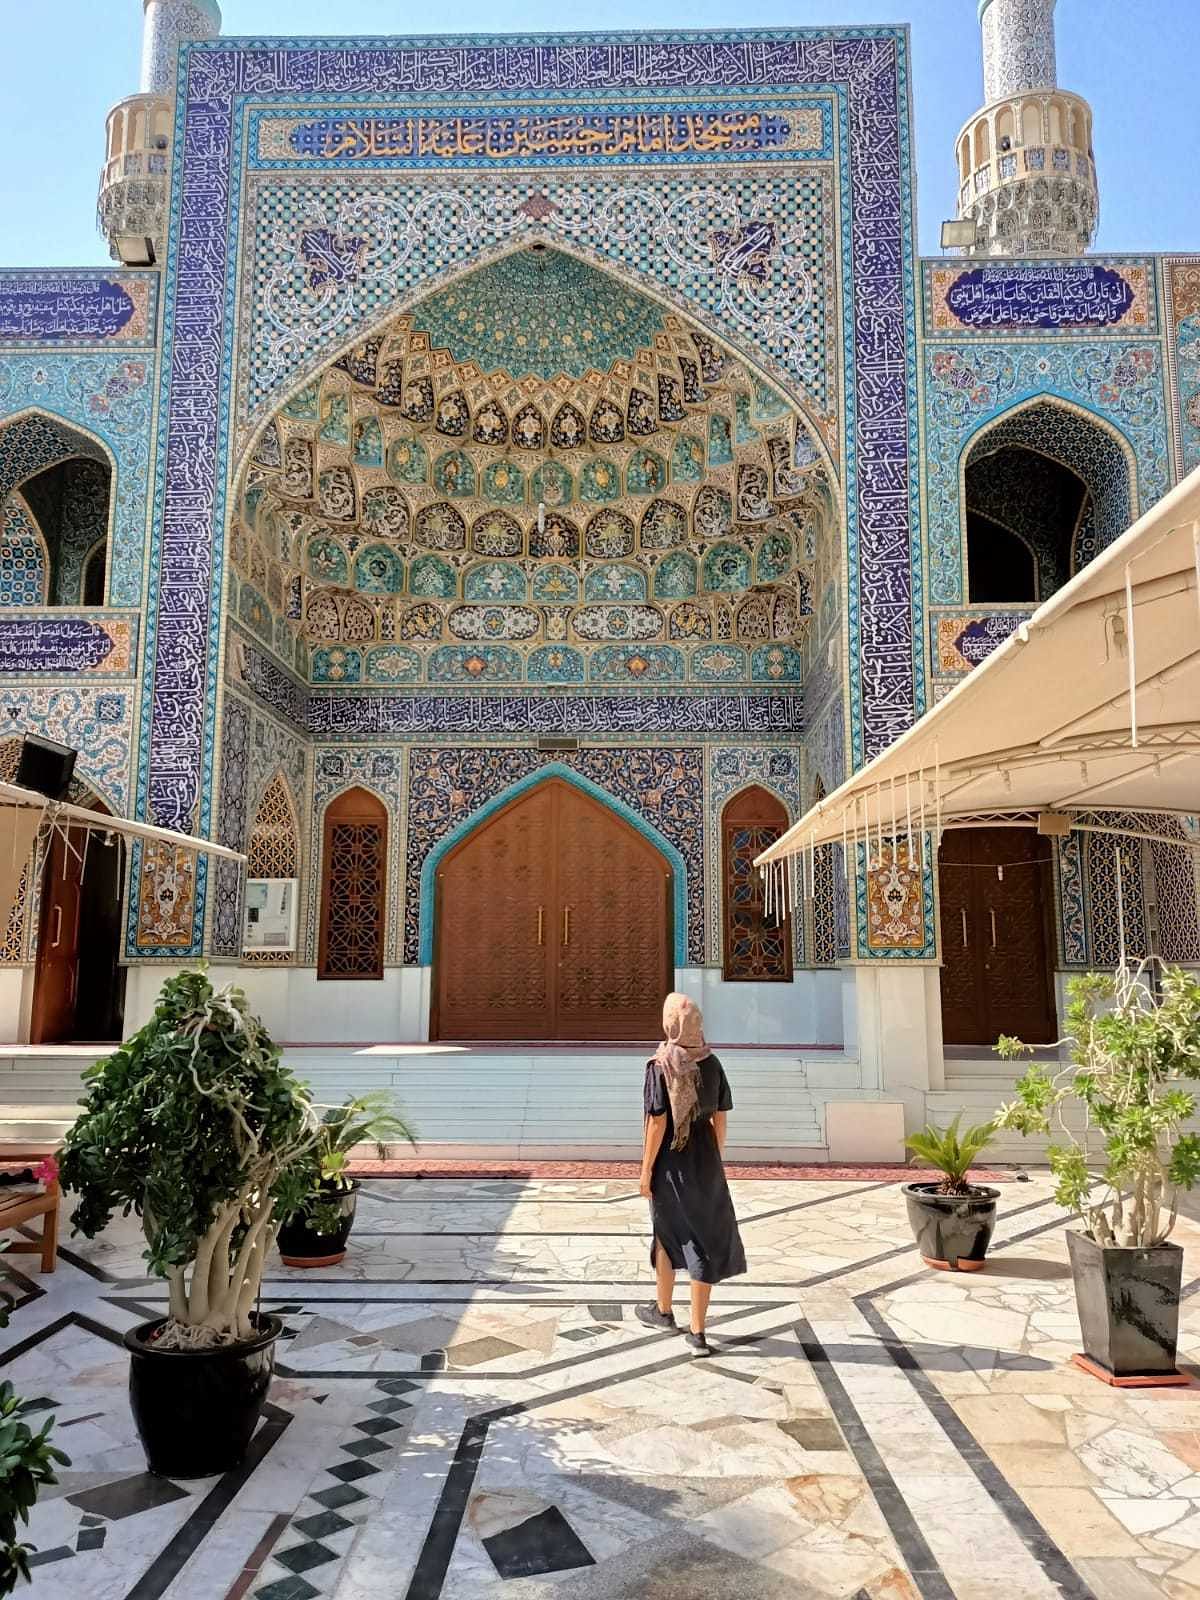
(1092, 707)
(23, 813)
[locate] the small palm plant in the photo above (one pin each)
(951, 1153)
(368, 1119)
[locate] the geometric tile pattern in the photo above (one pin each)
(90, 405)
(662, 790)
(868, 70)
(558, 1447)
(967, 386)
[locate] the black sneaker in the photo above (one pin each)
(652, 1317)
(697, 1345)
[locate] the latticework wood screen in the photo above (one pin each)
(758, 948)
(353, 887)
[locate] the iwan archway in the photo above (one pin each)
(553, 920)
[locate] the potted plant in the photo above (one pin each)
(27, 1463)
(194, 1125)
(315, 1235)
(952, 1220)
(1129, 1052)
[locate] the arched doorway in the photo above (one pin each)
(1045, 488)
(996, 936)
(553, 921)
(79, 983)
(56, 498)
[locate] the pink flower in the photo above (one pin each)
(46, 1172)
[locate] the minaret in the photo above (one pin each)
(135, 180)
(1026, 173)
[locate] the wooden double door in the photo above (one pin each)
(79, 985)
(553, 921)
(996, 936)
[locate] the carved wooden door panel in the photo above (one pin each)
(613, 960)
(996, 936)
(495, 924)
(552, 922)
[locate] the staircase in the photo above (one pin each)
(518, 1101)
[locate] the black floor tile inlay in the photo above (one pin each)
(352, 1471)
(340, 1495)
(366, 1447)
(322, 1524)
(304, 1557)
(544, 1543)
(374, 1425)
(128, 1496)
(295, 1588)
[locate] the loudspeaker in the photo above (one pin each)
(45, 767)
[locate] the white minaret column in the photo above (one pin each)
(1018, 46)
(165, 24)
(132, 207)
(1026, 173)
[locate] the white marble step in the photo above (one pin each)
(529, 1103)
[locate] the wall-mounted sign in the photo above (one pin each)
(75, 308)
(271, 914)
(67, 644)
(1038, 296)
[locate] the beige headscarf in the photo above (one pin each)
(679, 1055)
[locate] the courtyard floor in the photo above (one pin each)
(468, 1408)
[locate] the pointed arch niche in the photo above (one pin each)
(273, 851)
(538, 473)
(757, 948)
(56, 509)
(1044, 488)
(353, 886)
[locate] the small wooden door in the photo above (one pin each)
(553, 922)
(996, 936)
(57, 979)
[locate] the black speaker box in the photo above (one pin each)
(45, 767)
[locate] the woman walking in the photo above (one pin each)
(687, 1101)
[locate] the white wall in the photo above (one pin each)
(299, 1008)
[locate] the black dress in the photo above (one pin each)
(690, 1205)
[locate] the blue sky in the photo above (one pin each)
(1135, 62)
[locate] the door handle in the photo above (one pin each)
(541, 924)
(566, 925)
(57, 939)
(963, 913)
(992, 914)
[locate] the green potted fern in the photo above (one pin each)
(952, 1220)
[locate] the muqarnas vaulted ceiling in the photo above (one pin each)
(537, 474)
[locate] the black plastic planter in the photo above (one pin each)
(1128, 1301)
(196, 1410)
(301, 1245)
(952, 1231)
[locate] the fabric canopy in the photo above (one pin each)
(1090, 710)
(23, 811)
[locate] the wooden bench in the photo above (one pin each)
(22, 1208)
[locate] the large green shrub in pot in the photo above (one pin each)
(195, 1126)
(1131, 1052)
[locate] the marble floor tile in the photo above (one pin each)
(467, 1409)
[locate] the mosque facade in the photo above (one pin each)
(500, 483)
